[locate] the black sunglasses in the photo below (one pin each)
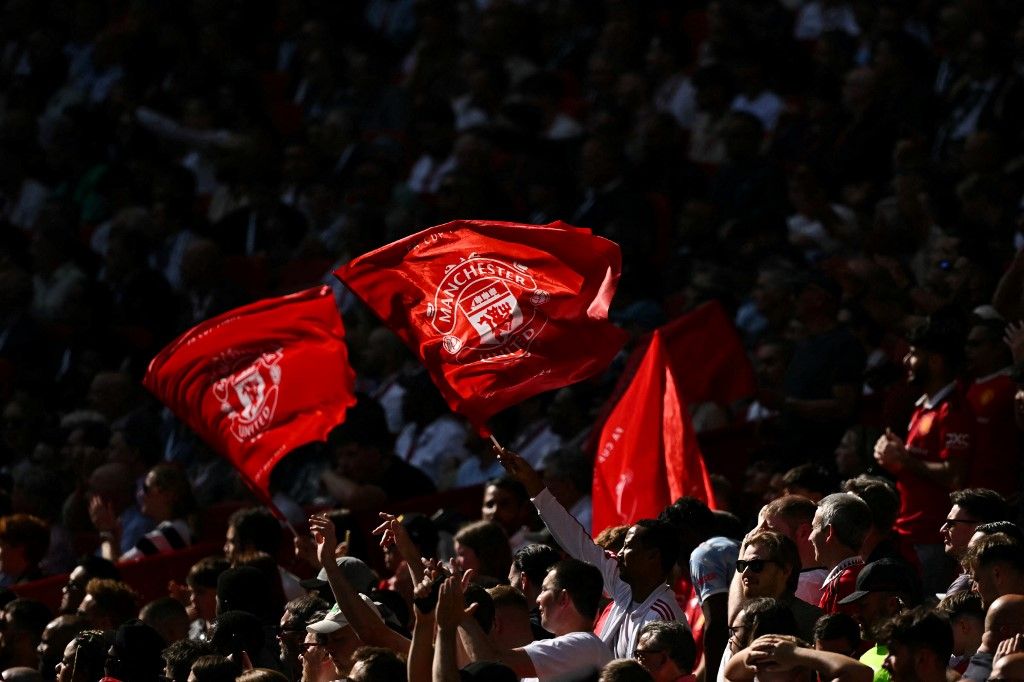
(755, 565)
(949, 523)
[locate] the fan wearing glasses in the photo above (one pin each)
(971, 507)
(769, 566)
(666, 650)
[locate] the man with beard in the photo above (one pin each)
(933, 459)
(885, 588)
(769, 566)
(292, 630)
(996, 565)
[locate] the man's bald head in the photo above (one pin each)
(1006, 614)
(1007, 668)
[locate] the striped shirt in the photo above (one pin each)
(166, 537)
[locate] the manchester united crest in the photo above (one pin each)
(248, 392)
(487, 310)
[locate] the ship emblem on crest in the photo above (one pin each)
(487, 310)
(248, 394)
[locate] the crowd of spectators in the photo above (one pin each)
(844, 177)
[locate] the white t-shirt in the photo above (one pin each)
(809, 587)
(571, 655)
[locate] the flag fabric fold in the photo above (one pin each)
(261, 380)
(496, 312)
(648, 454)
(708, 357)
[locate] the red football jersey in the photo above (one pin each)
(939, 430)
(841, 587)
(997, 443)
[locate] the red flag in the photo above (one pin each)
(648, 454)
(707, 359)
(261, 380)
(496, 312)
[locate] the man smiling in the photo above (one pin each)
(568, 603)
(837, 533)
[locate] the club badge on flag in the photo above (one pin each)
(259, 381)
(497, 312)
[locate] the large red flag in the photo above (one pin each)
(707, 357)
(648, 454)
(496, 312)
(259, 381)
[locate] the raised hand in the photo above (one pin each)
(392, 532)
(772, 650)
(422, 589)
(1014, 338)
(325, 536)
(519, 469)
(451, 604)
(101, 513)
(434, 567)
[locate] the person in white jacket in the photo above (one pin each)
(636, 578)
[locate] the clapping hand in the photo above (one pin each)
(451, 603)
(890, 452)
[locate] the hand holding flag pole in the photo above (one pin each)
(519, 469)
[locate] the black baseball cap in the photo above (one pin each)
(884, 575)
